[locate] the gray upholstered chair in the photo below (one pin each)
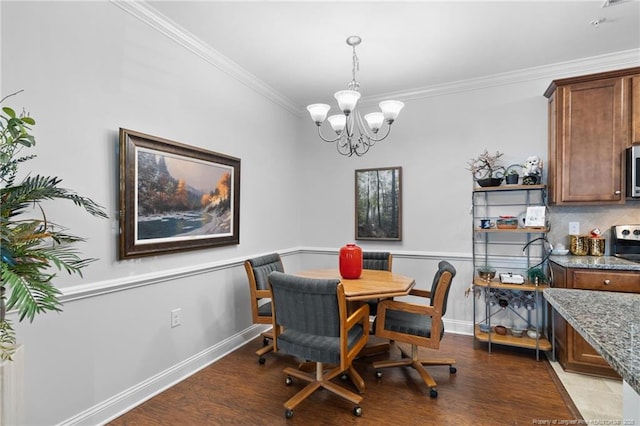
(380, 261)
(310, 321)
(258, 270)
(417, 325)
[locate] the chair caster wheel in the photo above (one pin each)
(378, 374)
(265, 341)
(288, 381)
(261, 360)
(288, 413)
(452, 369)
(357, 411)
(433, 393)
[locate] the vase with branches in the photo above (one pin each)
(32, 248)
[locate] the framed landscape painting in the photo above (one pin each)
(379, 204)
(175, 197)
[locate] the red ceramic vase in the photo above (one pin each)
(350, 262)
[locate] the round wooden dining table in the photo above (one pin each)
(372, 284)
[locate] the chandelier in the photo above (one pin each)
(353, 137)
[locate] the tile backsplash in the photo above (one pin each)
(589, 217)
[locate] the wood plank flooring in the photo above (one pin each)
(506, 387)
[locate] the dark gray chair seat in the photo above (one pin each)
(418, 325)
(310, 321)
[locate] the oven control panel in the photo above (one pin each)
(626, 232)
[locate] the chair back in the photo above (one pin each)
(258, 270)
(310, 320)
(306, 305)
(440, 288)
(377, 260)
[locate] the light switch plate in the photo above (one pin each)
(574, 228)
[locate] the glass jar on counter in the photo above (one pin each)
(579, 245)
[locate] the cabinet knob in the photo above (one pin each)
(607, 282)
(617, 192)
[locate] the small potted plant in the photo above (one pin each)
(512, 175)
(486, 169)
(536, 276)
(486, 272)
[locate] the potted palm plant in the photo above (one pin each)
(32, 247)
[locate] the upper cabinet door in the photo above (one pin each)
(635, 109)
(591, 122)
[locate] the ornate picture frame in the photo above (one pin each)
(378, 204)
(175, 197)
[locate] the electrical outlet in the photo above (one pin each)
(175, 317)
(574, 228)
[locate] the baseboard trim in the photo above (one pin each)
(130, 398)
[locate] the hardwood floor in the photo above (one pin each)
(507, 387)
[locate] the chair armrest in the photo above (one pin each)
(421, 293)
(409, 307)
(359, 315)
(263, 293)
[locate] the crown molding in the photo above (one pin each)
(165, 26)
(607, 62)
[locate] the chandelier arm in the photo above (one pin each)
(328, 140)
(344, 146)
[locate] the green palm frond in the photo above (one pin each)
(35, 189)
(32, 249)
(31, 292)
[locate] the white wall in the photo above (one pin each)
(88, 68)
(91, 68)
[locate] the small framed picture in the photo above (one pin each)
(379, 204)
(536, 217)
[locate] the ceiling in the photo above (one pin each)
(298, 47)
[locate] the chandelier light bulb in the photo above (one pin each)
(318, 112)
(347, 100)
(374, 120)
(338, 122)
(391, 110)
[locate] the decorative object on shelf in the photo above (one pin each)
(536, 217)
(487, 224)
(511, 278)
(536, 276)
(486, 169)
(175, 197)
(512, 176)
(379, 204)
(486, 273)
(501, 330)
(352, 134)
(507, 222)
(350, 261)
(532, 171)
(32, 248)
(517, 332)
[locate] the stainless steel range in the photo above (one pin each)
(625, 242)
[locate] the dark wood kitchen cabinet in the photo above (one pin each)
(592, 119)
(572, 351)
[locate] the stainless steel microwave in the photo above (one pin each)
(633, 171)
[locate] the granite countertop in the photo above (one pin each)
(609, 321)
(595, 262)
